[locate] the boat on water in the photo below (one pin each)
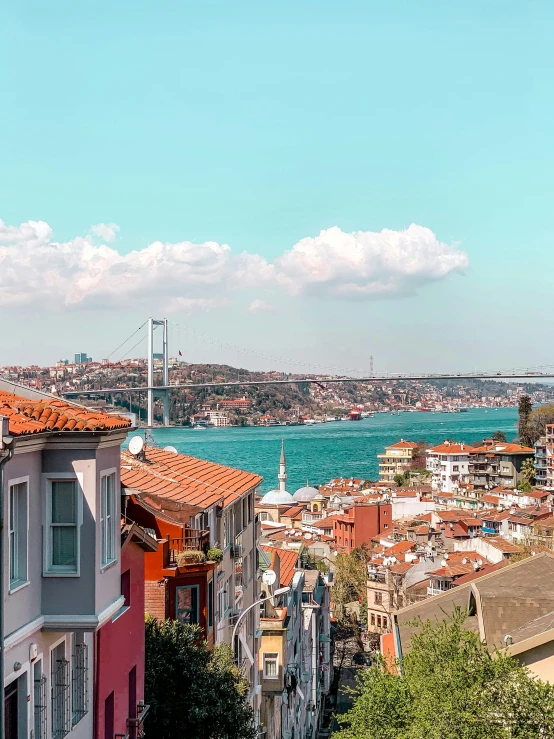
(355, 414)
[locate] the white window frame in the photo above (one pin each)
(270, 657)
(22, 582)
(49, 570)
(106, 562)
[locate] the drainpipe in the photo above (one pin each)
(6, 453)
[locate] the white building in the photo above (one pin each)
(217, 418)
(449, 465)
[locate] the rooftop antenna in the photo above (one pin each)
(371, 366)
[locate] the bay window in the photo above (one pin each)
(62, 536)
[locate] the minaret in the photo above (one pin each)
(282, 476)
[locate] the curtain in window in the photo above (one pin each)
(64, 524)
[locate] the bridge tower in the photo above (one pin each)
(164, 356)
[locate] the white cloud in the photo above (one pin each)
(106, 231)
(260, 306)
(87, 272)
(367, 264)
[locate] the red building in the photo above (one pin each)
(119, 646)
(358, 524)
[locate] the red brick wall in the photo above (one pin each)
(155, 599)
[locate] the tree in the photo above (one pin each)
(350, 582)
(419, 456)
(499, 436)
(450, 687)
(527, 471)
(537, 422)
(192, 692)
(524, 415)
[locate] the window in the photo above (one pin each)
(377, 597)
(18, 528)
(378, 622)
(186, 604)
(132, 692)
(271, 665)
(245, 502)
(60, 686)
(455, 468)
(372, 619)
(79, 678)
(108, 517)
(126, 587)
(63, 537)
(384, 622)
(109, 716)
(40, 706)
(210, 604)
(250, 508)
(385, 525)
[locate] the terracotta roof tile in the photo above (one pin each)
(27, 417)
(185, 479)
(288, 560)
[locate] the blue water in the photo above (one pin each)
(321, 452)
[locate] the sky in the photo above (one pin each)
(313, 183)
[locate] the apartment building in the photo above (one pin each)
(449, 466)
(497, 464)
(550, 456)
(540, 463)
(294, 659)
(356, 524)
(197, 509)
(396, 459)
(62, 550)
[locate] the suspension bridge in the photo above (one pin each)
(161, 391)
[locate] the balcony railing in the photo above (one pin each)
(193, 540)
(135, 726)
(436, 591)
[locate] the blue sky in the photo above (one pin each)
(261, 124)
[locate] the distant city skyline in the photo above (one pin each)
(321, 183)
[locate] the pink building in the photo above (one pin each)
(119, 679)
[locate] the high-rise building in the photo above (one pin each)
(82, 358)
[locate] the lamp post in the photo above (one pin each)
(6, 453)
(279, 591)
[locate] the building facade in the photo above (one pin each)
(449, 466)
(61, 554)
(497, 464)
(396, 460)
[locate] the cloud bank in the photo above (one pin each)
(88, 272)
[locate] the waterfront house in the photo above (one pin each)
(497, 464)
(396, 459)
(449, 466)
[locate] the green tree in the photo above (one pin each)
(193, 692)
(450, 687)
(350, 582)
(528, 471)
(537, 422)
(499, 436)
(524, 415)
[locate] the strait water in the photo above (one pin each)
(323, 451)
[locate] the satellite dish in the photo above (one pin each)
(479, 562)
(307, 536)
(464, 561)
(443, 563)
(269, 577)
(136, 445)
(170, 449)
(446, 555)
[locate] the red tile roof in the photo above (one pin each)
(185, 479)
(506, 547)
(451, 448)
(288, 559)
(402, 445)
(26, 417)
(501, 448)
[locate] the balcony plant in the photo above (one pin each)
(214, 554)
(190, 556)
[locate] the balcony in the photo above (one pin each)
(135, 726)
(436, 591)
(195, 540)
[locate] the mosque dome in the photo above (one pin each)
(276, 498)
(305, 494)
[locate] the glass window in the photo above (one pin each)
(271, 665)
(373, 619)
(17, 533)
(126, 587)
(60, 693)
(79, 678)
(186, 604)
(108, 518)
(63, 554)
(210, 604)
(378, 597)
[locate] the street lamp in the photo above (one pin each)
(279, 591)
